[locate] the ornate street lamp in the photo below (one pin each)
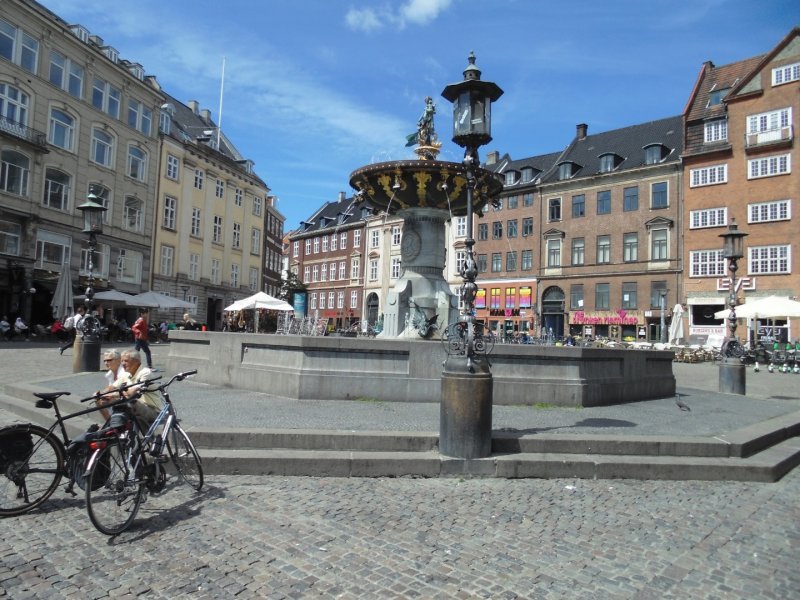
(466, 409)
(732, 371)
(88, 356)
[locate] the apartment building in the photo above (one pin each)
(74, 118)
(740, 121)
(382, 267)
(217, 229)
(328, 254)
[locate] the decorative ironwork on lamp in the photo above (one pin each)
(732, 250)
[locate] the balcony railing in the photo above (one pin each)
(778, 135)
(23, 132)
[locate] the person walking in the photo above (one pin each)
(73, 325)
(141, 336)
(22, 329)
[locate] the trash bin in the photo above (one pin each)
(86, 355)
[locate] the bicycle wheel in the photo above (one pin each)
(113, 492)
(31, 465)
(185, 457)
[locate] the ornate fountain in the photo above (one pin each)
(425, 193)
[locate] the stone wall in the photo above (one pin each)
(343, 368)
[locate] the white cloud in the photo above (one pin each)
(417, 12)
(423, 12)
(363, 20)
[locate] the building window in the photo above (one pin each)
(497, 230)
(375, 238)
(554, 253)
(355, 267)
(102, 148)
(105, 97)
(219, 189)
(307, 274)
(356, 240)
(139, 116)
(216, 272)
(630, 199)
(461, 256)
(216, 231)
(607, 163)
(234, 275)
(769, 166)
(137, 163)
(657, 288)
(706, 263)
(258, 203)
(14, 172)
(395, 267)
(313, 301)
(497, 262)
(308, 246)
(659, 197)
(334, 242)
(196, 223)
(461, 226)
(716, 131)
(61, 132)
(324, 243)
(565, 171)
(603, 202)
(483, 263)
(194, 266)
(630, 247)
(578, 251)
(52, 250)
(353, 298)
(396, 235)
(629, 295)
(527, 226)
(340, 299)
(342, 270)
(170, 212)
(132, 214)
(764, 212)
(708, 176)
(709, 217)
(238, 197)
(659, 249)
(603, 249)
(527, 200)
(331, 296)
(527, 260)
(295, 249)
(513, 202)
(253, 279)
(786, 74)
(576, 296)
(255, 241)
(103, 195)
(498, 204)
(18, 47)
(653, 154)
(769, 259)
(511, 261)
(483, 232)
(56, 189)
(237, 235)
(579, 205)
(173, 167)
(65, 74)
(129, 266)
(602, 296)
(373, 269)
(511, 230)
(199, 177)
(10, 238)
(13, 106)
(554, 212)
(167, 254)
(323, 272)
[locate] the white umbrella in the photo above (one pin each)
(260, 300)
(157, 300)
(771, 307)
(676, 326)
(63, 301)
(109, 296)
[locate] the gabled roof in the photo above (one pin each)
(741, 86)
(711, 79)
(628, 143)
(344, 212)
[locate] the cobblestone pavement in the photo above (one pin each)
(298, 537)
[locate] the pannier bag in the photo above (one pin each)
(17, 446)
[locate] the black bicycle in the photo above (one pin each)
(126, 466)
(34, 459)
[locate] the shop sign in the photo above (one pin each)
(600, 317)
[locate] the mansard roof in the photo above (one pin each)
(343, 213)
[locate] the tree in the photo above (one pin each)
(290, 284)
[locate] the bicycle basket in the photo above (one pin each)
(17, 446)
(101, 471)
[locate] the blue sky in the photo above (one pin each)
(315, 89)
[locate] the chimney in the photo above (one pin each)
(205, 114)
(581, 130)
(194, 105)
(342, 196)
(492, 157)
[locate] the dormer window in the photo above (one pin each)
(567, 170)
(111, 53)
(717, 96)
(655, 153)
(511, 177)
(609, 162)
(528, 174)
(164, 122)
(80, 32)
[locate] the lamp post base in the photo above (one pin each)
(732, 376)
(465, 422)
(86, 353)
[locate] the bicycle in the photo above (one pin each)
(33, 459)
(124, 467)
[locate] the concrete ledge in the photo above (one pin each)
(750, 440)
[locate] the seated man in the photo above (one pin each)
(146, 407)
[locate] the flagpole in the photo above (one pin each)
(221, 92)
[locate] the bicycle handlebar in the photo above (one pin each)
(164, 386)
(120, 389)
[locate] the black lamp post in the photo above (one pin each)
(87, 356)
(732, 371)
(465, 426)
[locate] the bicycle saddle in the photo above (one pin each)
(47, 398)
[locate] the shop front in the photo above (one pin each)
(619, 325)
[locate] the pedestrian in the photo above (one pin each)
(141, 335)
(189, 323)
(73, 325)
(5, 328)
(22, 329)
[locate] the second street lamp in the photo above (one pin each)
(87, 355)
(732, 371)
